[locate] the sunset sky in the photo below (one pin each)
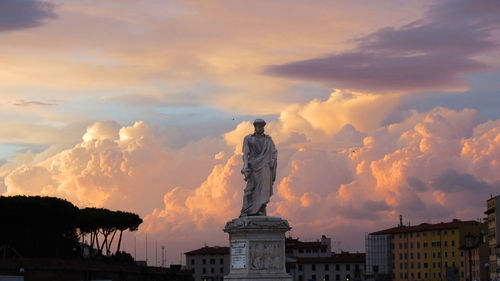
(377, 108)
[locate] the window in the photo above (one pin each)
(308, 251)
(425, 275)
(400, 256)
(300, 267)
(301, 251)
(347, 267)
(452, 254)
(453, 232)
(401, 275)
(418, 275)
(411, 245)
(406, 256)
(337, 277)
(313, 267)
(434, 255)
(400, 265)
(445, 243)
(356, 267)
(301, 278)
(400, 245)
(326, 267)
(406, 245)
(221, 261)
(426, 265)
(418, 255)
(192, 261)
(425, 244)
(425, 255)
(411, 234)
(418, 265)
(453, 263)
(204, 270)
(221, 270)
(418, 234)
(327, 277)
(446, 264)
(315, 250)
(212, 270)
(411, 265)
(323, 250)
(433, 264)
(445, 254)
(212, 261)
(439, 254)
(418, 245)
(204, 261)
(444, 232)
(452, 242)
(411, 255)
(337, 267)
(313, 277)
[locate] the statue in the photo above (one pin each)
(259, 168)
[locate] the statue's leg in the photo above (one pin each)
(262, 211)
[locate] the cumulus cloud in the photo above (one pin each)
(434, 165)
(433, 52)
(20, 14)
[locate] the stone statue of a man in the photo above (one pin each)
(259, 168)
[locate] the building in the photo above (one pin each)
(296, 248)
(208, 263)
(427, 251)
(493, 236)
(343, 266)
(378, 257)
(316, 261)
(475, 260)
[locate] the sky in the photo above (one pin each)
(377, 109)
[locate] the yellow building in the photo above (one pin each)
(430, 251)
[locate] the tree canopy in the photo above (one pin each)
(49, 227)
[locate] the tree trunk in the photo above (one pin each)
(119, 242)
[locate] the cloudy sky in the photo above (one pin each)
(377, 109)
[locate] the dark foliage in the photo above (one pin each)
(49, 227)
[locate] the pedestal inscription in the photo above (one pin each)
(238, 254)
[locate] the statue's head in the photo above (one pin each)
(259, 125)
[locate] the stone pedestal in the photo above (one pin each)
(257, 249)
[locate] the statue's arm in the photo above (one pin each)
(245, 171)
(274, 161)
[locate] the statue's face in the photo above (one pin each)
(259, 129)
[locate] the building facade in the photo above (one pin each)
(208, 263)
(378, 257)
(343, 266)
(429, 251)
(493, 237)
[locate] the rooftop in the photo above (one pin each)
(216, 250)
(337, 258)
(425, 227)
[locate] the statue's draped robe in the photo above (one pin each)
(262, 160)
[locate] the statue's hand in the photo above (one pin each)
(246, 172)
